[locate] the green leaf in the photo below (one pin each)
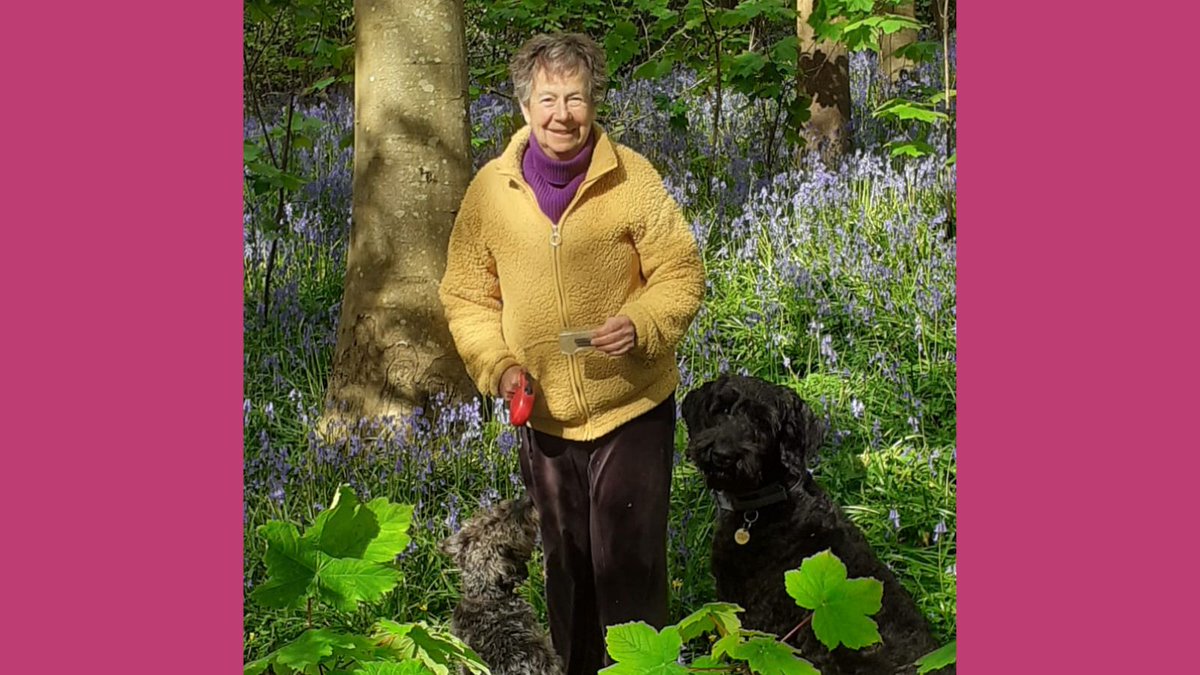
(655, 69)
(437, 649)
(771, 657)
(345, 582)
(891, 23)
(256, 667)
(707, 662)
(938, 658)
(726, 645)
(394, 521)
(621, 44)
(311, 648)
(911, 149)
(747, 64)
(906, 110)
(638, 648)
(291, 566)
(952, 159)
(321, 84)
(941, 96)
(250, 151)
(786, 50)
(840, 606)
(720, 615)
(393, 668)
(345, 529)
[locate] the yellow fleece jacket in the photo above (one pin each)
(514, 281)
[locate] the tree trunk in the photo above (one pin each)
(824, 74)
(412, 163)
(891, 64)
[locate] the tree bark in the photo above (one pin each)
(824, 75)
(891, 64)
(412, 164)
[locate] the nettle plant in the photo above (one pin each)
(347, 557)
(841, 616)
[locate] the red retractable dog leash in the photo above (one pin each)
(522, 401)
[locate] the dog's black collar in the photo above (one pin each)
(757, 499)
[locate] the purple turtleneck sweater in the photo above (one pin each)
(555, 182)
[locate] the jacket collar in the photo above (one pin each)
(604, 155)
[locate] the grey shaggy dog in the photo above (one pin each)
(750, 438)
(492, 550)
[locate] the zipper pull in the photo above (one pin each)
(555, 239)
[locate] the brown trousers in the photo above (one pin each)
(603, 506)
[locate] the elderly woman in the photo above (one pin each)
(568, 230)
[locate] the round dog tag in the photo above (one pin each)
(741, 536)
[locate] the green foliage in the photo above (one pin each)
(841, 608)
(637, 648)
(329, 562)
(345, 558)
(938, 658)
(434, 648)
(721, 616)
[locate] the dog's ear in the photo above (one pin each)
(803, 433)
(692, 405)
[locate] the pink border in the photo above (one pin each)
(1078, 340)
(122, 332)
(122, 266)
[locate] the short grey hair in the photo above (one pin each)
(559, 54)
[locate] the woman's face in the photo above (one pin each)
(560, 112)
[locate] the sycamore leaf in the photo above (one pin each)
(639, 649)
(840, 606)
(707, 662)
(654, 69)
(918, 51)
(344, 529)
(938, 658)
(291, 566)
(394, 521)
(905, 110)
(355, 647)
(393, 668)
(719, 615)
(321, 84)
(621, 44)
(941, 96)
(771, 657)
(726, 645)
(345, 582)
(911, 149)
(311, 648)
(435, 648)
(786, 50)
(891, 23)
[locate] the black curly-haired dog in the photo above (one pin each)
(492, 550)
(750, 439)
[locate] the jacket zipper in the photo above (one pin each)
(555, 242)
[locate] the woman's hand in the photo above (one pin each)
(616, 337)
(508, 382)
